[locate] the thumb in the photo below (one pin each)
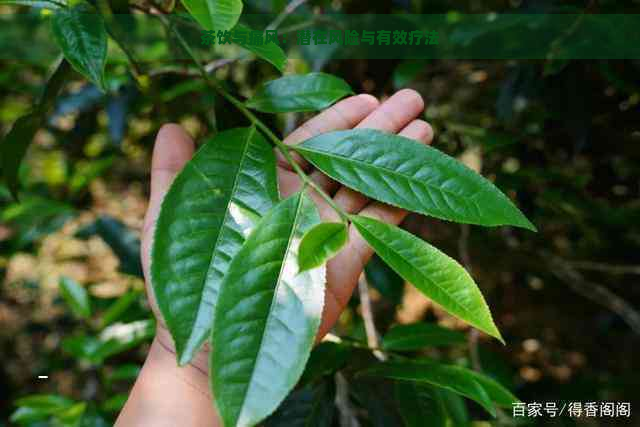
(172, 149)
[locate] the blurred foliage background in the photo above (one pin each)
(561, 137)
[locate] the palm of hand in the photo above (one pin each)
(173, 148)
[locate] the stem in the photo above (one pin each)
(367, 316)
(285, 13)
(281, 146)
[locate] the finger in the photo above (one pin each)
(352, 259)
(173, 148)
(394, 114)
(343, 115)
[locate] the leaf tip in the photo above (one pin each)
(525, 223)
(13, 190)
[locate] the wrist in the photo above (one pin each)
(165, 392)
(164, 342)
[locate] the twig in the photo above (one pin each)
(281, 146)
(594, 291)
(367, 316)
(606, 268)
(114, 30)
(347, 415)
(473, 350)
(472, 338)
(463, 247)
(194, 72)
(288, 10)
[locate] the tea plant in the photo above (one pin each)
(234, 265)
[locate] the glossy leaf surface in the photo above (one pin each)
(211, 207)
(270, 52)
(123, 241)
(299, 92)
(420, 404)
(321, 243)
(76, 297)
(80, 32)
(215, 14)
(306, 407)
(499, 394)
(267, 316)
(434, 273)
(453, 378)
(404, 173)
(419, 335)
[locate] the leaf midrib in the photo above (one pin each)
(466, 310)
(382, 168)
(266, 101)
(224, 220)
(272, 305)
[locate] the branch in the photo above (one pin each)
(281, 146)
(594, 291)
(194, 72)
(606, 268)
(288, 10)
(367, 316)
(343, 403)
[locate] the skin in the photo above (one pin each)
(167, 395)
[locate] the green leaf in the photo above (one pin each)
(419, 404)
(119, 307)
(326, 358)
(434, 273)
(123, 242)
(45, 403)
(270, 52)
(115, 403)
(211, 207)
(72, 416)
(299, 92)
(215, 14)
(76, 297)
(25, 415)
(321, 243)
(449, 377)
(115, 339)
(127, 372)
(455, 407)
(80, 32)
(14, 147)
(404, 173)
(44, 4)
(267, 316)
(306, 407)
(420, 335)
(496, 391)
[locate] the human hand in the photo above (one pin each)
(173, 148)
(164, 392)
